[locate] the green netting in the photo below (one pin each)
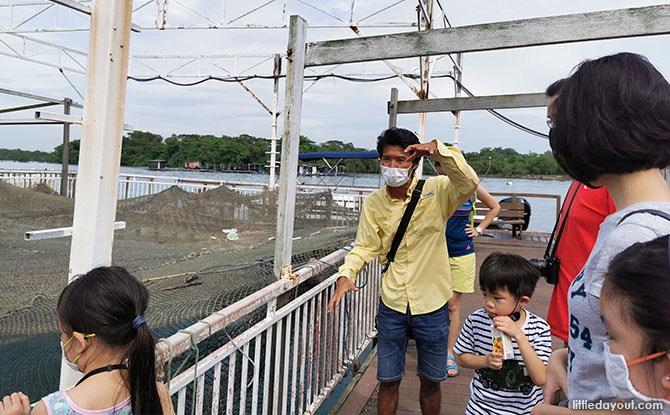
(170, 234)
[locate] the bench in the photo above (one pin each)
(511, 213)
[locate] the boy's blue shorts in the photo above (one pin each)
(431, 332)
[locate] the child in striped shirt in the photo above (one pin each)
(510, 386)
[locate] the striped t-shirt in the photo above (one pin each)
(508, 391)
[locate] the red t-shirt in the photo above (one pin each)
(588, 211)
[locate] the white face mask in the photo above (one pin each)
(395, 177)
(71, 365)
(617, 376)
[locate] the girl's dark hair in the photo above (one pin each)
(554, 88)
(396, 137)
(106, 301)
(639, 277)
(612, 117)
(509, 271)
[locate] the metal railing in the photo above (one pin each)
(294, 356)
(557, 198)
(31, 178)
(136, 185)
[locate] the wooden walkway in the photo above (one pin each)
(456, 390)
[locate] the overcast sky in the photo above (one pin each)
(332, 109)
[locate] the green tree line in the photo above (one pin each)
(141, 146)
(24, 155)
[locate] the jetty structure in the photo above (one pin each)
(275, 350)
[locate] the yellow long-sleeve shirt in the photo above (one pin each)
(419, 275)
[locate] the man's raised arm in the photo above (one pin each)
(460, 181)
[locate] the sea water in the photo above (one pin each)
(543, 210)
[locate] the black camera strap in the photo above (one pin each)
(553, 244)
(404, 222)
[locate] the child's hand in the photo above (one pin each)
(494, 361)
(470, 231)
(15, 404)
(506, 325)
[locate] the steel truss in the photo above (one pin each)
(153, 15)
(20, 19)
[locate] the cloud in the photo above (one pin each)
(332, 109)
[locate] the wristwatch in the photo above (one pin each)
(479, 230)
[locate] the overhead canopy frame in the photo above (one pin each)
(610, 24)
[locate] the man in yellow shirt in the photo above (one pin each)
(417, 285)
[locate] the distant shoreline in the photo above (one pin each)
(532, 176)
(528, 176)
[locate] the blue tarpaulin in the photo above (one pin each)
(338, 155)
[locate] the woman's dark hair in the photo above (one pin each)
(106, 301)
(639, 277)
(509, 271)
(612, 117)
(396, 137)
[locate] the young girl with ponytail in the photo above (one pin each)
(105, 336)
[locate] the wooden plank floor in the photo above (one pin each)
(455, 391)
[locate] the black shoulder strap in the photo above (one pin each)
(404, 222)
(107, 368)
(656, 212)
(552, 246)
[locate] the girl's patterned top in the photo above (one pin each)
(60, 403)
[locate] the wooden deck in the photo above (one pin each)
(455, 391)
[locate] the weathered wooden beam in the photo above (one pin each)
(470, 103)
(288, 172)
(392, 108)
(610, 24)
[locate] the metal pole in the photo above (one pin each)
(67, 102)
(161, 18)
(276, 71)
(223, 12)
(288, 173)
(393, 108)
(425, 78)
(100, 153)
(457, 93)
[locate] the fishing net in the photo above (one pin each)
(196, 252)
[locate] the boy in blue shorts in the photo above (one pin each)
(509, 386)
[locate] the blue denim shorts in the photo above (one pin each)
(431, 332)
